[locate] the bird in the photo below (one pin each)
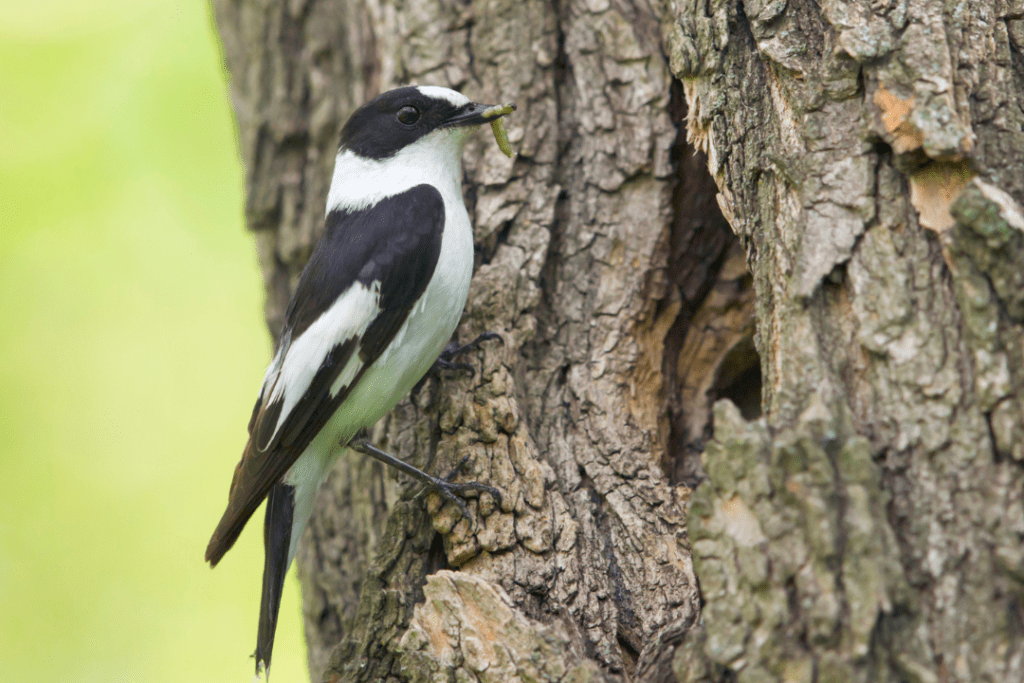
(377, 302)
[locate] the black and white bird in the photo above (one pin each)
(374, 307)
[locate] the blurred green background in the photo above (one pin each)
(131, 349)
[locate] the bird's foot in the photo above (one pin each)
(446, 488)
(445, 362)
(453, 350)
(443, 365)
(455, 492)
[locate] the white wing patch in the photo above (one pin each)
(291, 376)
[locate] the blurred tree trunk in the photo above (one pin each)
(869, 158)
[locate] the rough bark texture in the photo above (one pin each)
(871, 528)
(870, 159)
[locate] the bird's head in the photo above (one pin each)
(427, 117)
(403, 138)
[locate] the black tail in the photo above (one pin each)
(277, 533)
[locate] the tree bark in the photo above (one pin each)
(846, 225)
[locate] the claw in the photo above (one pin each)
(452, 491)
(444, 364)
(475, 344)
(452, 498)
(444, 361)
(453, 349)
(457, 468)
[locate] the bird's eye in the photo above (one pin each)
(408, 115)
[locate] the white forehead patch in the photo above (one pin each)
(438, 93)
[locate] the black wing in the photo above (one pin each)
(390, 249)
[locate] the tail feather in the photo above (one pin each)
(277, 532)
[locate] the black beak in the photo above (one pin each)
(474, 114)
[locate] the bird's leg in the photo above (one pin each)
(445, 488)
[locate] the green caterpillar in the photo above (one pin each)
(498, 126)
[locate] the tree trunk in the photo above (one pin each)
(869, 158)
